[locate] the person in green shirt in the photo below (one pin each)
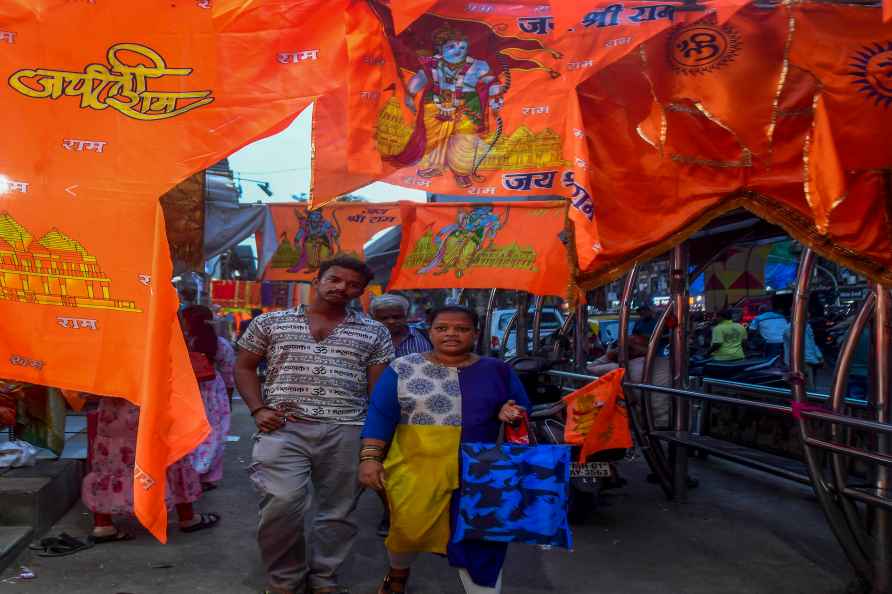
(727, 338)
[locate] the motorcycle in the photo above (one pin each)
(547, 422)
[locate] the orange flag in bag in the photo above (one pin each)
(587, 403)
(610, 427)
(309, 237)
(514, 245)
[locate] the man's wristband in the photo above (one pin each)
(258, 409)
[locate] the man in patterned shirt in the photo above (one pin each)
(323, 360)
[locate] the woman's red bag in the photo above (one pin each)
(202, 367)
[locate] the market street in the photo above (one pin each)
(740, 532)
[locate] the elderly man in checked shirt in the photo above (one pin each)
(323, 361)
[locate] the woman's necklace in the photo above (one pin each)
(470, 359)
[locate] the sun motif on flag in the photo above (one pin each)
(872, 72)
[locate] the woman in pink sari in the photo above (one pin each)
(107, 489)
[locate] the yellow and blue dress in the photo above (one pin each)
(425, 411)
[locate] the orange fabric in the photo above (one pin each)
(597, 418)
(307, 238)
(586, 403)
(658, 174)
(99, 315)
(610, 430)
(480, 246)
(853, 115)
(711, 64)
(74, 399)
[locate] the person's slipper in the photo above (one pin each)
(117, 536)
(66, 545)
(44, 543)
(205, 521)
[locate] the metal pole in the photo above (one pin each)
(679, 279)
(882, 527)
(580, 350)
(624, 312)
(840, 463)
(486, 334)
(537, 323)
(837, 520)
(522, 339)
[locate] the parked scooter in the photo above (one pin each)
(547, 422)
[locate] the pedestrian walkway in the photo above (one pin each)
(740, 532)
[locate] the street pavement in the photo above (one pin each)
(741, 531)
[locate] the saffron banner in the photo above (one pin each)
(309, 237)
(104, 124)
(482, 246)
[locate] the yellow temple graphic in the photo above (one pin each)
(522, 149)
(54, 270)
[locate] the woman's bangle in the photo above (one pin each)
(258, 409)
(377, 459)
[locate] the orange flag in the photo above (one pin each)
(309, 237)
(103, 127)
(597, 418)
(585, 404)
(482, 246)
(853, 115)
(706, 64)
(610, 429)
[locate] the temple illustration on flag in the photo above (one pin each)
(54, 270)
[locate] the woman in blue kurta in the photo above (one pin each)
(423, 407)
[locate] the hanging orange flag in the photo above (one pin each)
(104, 124)
(309, 237)
(515, 245)
(852, 127)
(610, 429)
(585, 404)
(708, 64)
(597, 418)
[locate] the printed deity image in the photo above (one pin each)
(307, 238)
(460, 245)
(457, 79)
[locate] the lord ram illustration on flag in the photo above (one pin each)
(307, 238)
(449, 124)
(460, 245)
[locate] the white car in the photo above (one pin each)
(552, 322)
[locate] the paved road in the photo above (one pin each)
(740, 532)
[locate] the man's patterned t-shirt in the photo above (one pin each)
(318, 381)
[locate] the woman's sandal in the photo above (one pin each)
(395, 583)
(205, 521)
(117, 536)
